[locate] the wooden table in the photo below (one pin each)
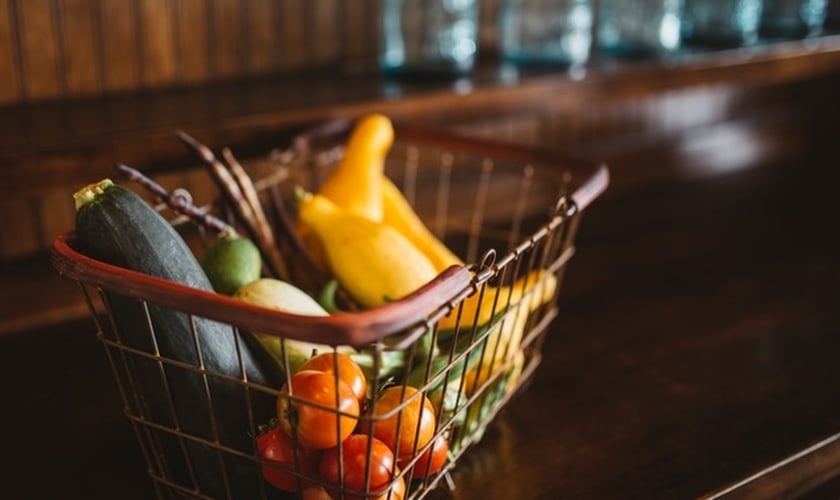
(696, 347)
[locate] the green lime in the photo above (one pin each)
(231, 262)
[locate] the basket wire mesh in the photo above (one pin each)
(510, 212)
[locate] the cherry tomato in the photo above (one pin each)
(348, 371)
(276, 446)
(432, 459)
(318, 428)
(379, 470)
(411, 427)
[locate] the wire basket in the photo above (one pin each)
(459, 347)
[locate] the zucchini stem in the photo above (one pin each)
(88, 193)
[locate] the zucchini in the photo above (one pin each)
(117, 226)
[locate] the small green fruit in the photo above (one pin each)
(231, 262)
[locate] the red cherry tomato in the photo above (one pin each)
(431, 460)
(411, 423)
(379, 470)
(276, 447)
(349, 371)
(318, 428)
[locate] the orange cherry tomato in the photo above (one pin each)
(276, 447)
(318, 428)
(411, 425)
(431, 460)
(348, 371)
(357, 467)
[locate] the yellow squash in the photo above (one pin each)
(538, 285)
(398, 213)
(356, 183)
(504, 339)
(374, 262)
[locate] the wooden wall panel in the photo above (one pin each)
(80, 37)
(157, 47)
(9, 88)
(323, 32)
(19, 232)
(58, 215)
(292, 34)
(192, 47)
(226, 37)
(354, 15)
(69, 48)
(36, 19)
(261, 28)
(120, 47)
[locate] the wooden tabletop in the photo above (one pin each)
(696, 348)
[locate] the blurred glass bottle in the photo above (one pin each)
(721, 23)
(545, 31)
(792, 19)
(639, 27)
(429, 36)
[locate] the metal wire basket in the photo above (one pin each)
(465, 342)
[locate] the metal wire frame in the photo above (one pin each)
(548, 248)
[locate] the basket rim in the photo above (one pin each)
(356, 328)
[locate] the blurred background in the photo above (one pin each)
(696, 349)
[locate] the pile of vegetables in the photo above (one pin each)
(375, 412)
(357, 445)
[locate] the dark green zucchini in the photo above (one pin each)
(115, 225)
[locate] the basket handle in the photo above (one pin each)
(357, 329)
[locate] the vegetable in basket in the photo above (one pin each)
(317, 409)
(506, 334)
(347, 370)
(231, 262)
(279, 295)
(359, 185)
(374, 262)
(404, 419)
(356, 183)
(115, 225)
(276, 447)
(469, 357)
(362, 463)
(399, 214)
(539, 286)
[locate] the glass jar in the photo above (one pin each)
(545, 31)
(429, 36)
(792, 19)
(639, 27)
(721, 23)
